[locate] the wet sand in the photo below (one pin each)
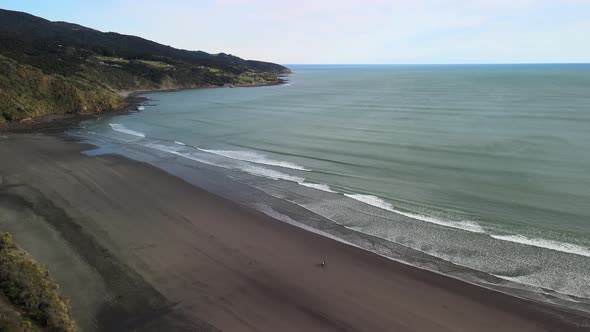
(135, 248)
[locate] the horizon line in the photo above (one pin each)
(435, 64)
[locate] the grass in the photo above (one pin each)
(28, 286)
(154, 64)
(149, 63)
(251, 78)
(111, 59)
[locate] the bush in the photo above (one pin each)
(28, 285)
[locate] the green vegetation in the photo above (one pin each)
(27, 92)
(13, 321)
(155, 64)
(251, 77)
(28, 286)
(58, 67)
(110, 59)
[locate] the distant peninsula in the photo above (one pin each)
(63, 68)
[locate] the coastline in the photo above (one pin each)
(228, 266)
(56, 123)
(136, 93)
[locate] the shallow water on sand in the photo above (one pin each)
(486, 167)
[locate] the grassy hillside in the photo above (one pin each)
(27, 92)
(27, 285)
(57, 67)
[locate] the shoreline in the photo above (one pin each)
(239, 255)
(226, 185)
(136, 93)
(54, 123)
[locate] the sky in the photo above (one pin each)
(345, 31)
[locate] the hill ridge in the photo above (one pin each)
(60, 67)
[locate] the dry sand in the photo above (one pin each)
(135, 248)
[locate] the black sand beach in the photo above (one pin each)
(135, 248)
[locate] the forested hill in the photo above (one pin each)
(57, 67)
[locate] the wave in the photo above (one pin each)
(318, 186)
(532, 280)
(175, 151)
(380, 203)
(254, 170)
(250, 157)
(375, 201)
(271, 174)
(256, 158)
(518, 279)
(547, 244)
(122, 129)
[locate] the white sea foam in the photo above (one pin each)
(271, 174)
(179, 143)
(519, 279)
(372, 200)
(537, 280)
(255, 157)
(318, 186)
(248, 168)
(176, 151)
(122, 129)
(547, 244)
(165, 148)
(469, 226)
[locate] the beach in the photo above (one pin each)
(135, 248)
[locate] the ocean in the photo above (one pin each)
(479, 172)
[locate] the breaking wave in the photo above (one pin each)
(122, 129)
(375, 201)
(318, 186)
(547, 244)
(256, 158)
(269, 173)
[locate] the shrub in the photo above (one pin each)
(28, 285)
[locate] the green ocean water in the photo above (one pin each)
(485, 166)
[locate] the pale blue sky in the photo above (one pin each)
(345, 31)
